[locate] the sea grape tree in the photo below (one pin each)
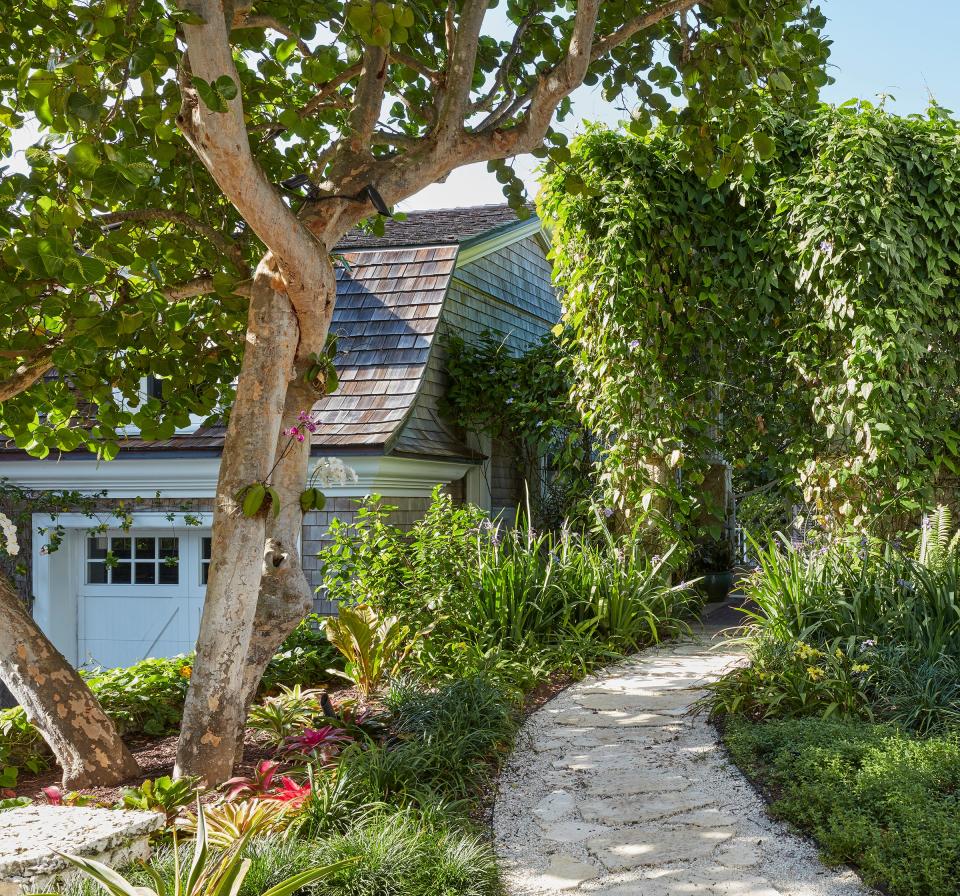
(194, 165)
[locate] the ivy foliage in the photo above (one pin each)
(799, 319)
(522, 400)
(108, 214)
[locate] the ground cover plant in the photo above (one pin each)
(875, 796)
(856, 627)
(147, 698)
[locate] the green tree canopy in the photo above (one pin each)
(798, 318)
(122, 257)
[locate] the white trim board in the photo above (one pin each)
(183, 477)
(501, 238)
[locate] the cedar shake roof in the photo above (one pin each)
(386, 316)
(390, 293)
(447, 226)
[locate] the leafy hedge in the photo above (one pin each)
(883, 800)
(147, 698)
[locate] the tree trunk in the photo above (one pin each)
(57, 700)
(285, 594)
(215, 705)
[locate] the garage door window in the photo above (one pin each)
(121, 560)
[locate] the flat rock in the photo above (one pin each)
(30, 835)
(621, 788)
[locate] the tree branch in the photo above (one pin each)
(453, 101)
(200, 286)
(640, 23)
(483, 104)
(32, 369)
(221, 142)
(245, 20)
(151, 215)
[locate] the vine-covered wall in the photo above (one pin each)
(799, 319)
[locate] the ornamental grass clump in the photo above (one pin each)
(856, 628)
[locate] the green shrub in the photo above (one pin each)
(147, 698)
(407, 854)
(560, 599)
(858, 628)
(874, 796)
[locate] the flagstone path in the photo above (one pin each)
(616, 789)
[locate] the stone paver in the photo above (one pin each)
(31, 837)
(617, 789)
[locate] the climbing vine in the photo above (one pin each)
(798, 319)
(523, 401)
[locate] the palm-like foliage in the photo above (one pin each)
(211, 873)
(374, 646)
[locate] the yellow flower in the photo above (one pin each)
(861, 667)
(838, 653)
(815, 673)
(185, 671)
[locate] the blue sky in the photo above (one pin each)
(907, 51)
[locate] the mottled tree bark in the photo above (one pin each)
(285, 594)
(215, 705)
(84, 740)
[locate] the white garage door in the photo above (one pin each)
(142, 595)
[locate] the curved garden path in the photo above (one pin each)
(616, 789)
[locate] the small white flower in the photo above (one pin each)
(333, 471)
(9, 535)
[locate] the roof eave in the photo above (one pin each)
(498, 238)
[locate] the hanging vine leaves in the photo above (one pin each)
(800, 317)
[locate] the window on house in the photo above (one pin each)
(122, 560)
(155, 388)
(205, 559)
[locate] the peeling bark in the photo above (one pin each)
(84, 740)
(214, 709)
(285, 594)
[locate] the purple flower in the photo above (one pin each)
(608, 512)
(634, 344)
(866, 645)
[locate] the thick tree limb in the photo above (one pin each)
(453, 104)
(152, 215)
(221, 141)
(29, 372)
(367, 102)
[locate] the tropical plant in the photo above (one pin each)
(374, 647)
(856, 627)
(319, 744)
(210, 873)
(286, 713)
(229, 821)
(162, 795)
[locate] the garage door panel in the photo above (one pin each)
(138, 599)
(127, 628)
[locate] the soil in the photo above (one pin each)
(156, 757)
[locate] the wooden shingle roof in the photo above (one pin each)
(386, 316)
(436, 227)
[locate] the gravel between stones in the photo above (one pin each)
(616, 789)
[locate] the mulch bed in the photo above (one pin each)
(156, 757)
